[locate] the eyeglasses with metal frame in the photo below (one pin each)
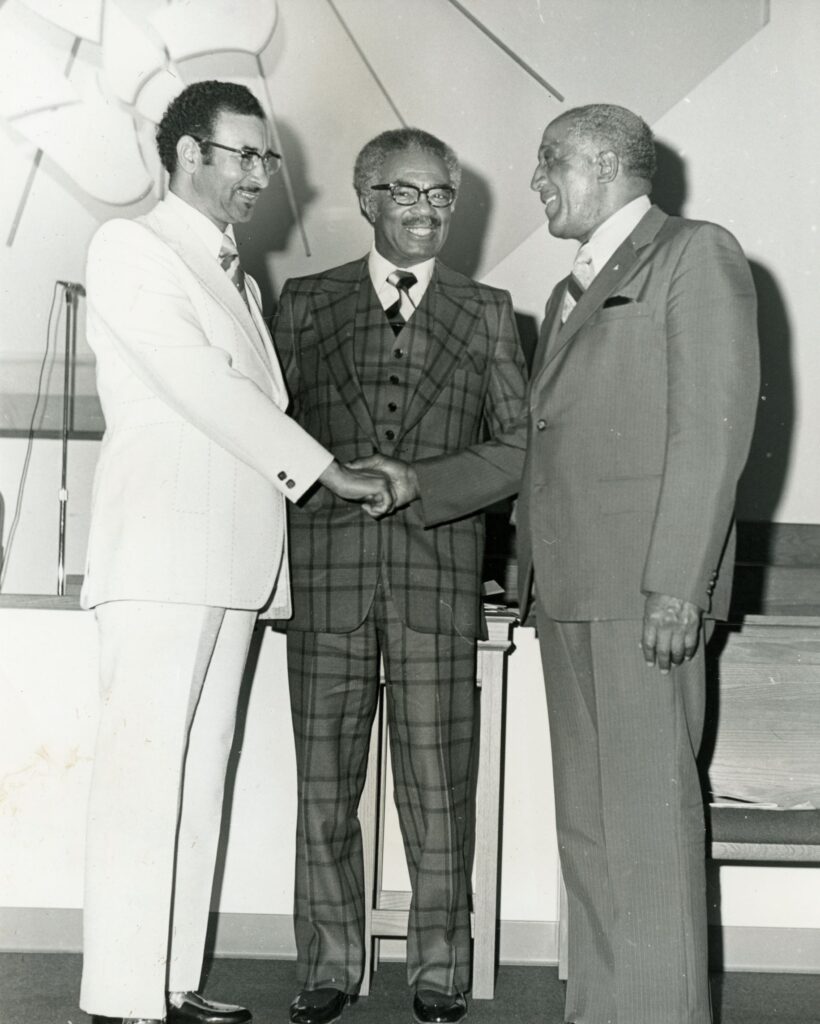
(247, 157)
(409, 195)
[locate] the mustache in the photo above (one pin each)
(421, 222)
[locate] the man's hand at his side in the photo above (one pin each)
(670, 630)
(402, 476)
(371, 489)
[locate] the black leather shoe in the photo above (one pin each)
(431, 1007)
(319, 1006)
(192, 1008)
(125, 1020)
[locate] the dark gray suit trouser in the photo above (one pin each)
(630, 824)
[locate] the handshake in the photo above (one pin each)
(380, 484)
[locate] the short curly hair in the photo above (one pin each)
(616, 128)
(368, 167)
(195, 111)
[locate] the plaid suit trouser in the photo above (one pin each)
(431, 703)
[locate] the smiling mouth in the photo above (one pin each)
(421, 230)
(550, 202)
(249, 195)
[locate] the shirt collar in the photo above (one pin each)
(379, 268)
(202, 226)
(615, 229)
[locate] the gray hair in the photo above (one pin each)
(616, 128)
(367, 170)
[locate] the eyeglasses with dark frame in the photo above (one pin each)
(409, 195)
(247, 157)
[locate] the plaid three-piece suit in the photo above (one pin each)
(365, 590)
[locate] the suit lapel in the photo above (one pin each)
(555, 335)
(174, 232)
(448, 313)
(334, 314)
(547, 335)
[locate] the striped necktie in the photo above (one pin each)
(229, 261)
(402, 281)
(579, 280)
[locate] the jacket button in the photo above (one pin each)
(541, 425)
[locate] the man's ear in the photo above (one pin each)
(363, 206)
(608, 165)
(189, 155)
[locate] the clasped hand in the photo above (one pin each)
(371, 489)
(402, 476)
(670, 630)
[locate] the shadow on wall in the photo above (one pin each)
(464, 248)
(763, 479)
(275, 224)
(669, 190)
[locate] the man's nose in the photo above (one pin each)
(539, 179)
(259, 174)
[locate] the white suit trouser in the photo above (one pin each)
(170, 677)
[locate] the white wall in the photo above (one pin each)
(749, 139)
(31, 566)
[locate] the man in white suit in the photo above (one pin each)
(187, 543)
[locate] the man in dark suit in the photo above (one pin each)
(642, 404)
(393, 352)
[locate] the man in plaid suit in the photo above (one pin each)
(392, 353)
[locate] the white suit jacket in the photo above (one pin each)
(198, 455)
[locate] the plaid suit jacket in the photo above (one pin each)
(471, 393)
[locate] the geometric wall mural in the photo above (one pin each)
(124, 59)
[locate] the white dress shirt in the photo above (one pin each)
(606, 238)
(380, 268)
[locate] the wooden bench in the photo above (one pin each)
(762, 739)
(764, 714)
(777, 570)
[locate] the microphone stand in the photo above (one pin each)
(72, 291)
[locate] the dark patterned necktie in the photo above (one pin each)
(402, 281)
(229, 261)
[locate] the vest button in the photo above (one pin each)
(389, 434)
(541, 425)
(392, 406)
(394, 379)
(398, 353)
